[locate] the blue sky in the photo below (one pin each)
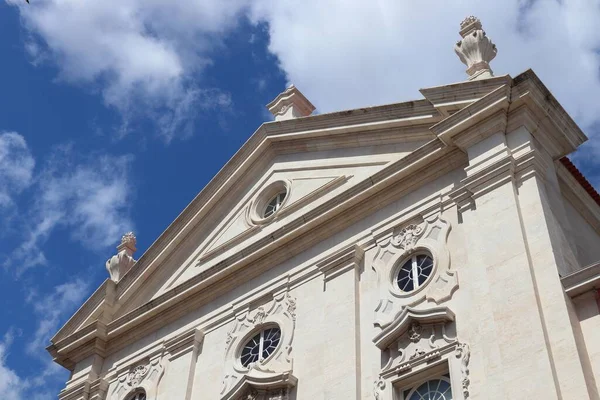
(115, 114)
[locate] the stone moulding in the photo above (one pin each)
(405, 318)
(277, 385)
(281, 312)
(425, 345)
(255, 222)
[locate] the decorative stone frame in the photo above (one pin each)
(255, 211)
(431, 237)
(144, 375)
(273, 373)
(423, 345)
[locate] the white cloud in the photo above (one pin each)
(142, 53)
(91, 198)
(347, 54)
(341, 53)
(16, 167)
(51, 311)
(12, 386)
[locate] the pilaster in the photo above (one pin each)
(515, 254)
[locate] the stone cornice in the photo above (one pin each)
(557, 124)
(92, 303)
(582, 281)
(403, 320)
(349, 258)
(460, 121)
(448, 99)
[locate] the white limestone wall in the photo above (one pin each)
(587, 309)
(509, 308)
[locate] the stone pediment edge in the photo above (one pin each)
(93, 302)
(421, 158)
(257, 147)
(426, 155)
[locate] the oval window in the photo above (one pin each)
(274, 204)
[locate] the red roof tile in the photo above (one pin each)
(581, 179)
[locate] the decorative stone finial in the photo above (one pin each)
(290, 104)
(475, 49)
(129, 239)
(122, 262)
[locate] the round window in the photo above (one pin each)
(260, 346)
(274, 204)
(414, 272)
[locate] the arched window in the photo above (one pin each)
(139, 395)
(434, 389)
(260, 346)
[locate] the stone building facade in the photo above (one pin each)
(443, 248)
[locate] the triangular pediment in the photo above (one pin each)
(303, 189)
(309, 179)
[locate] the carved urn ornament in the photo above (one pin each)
(475, 49)
(122, 262)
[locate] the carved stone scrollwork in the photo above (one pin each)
(416, 348)
(431, 237)
(407, 237)
(145, 375)
(379, 387)
(463, 352)
(135, 377)
(275, 371)
(414, 333)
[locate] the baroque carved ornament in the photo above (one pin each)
(135, 377)
(416, 349)
(146, 375)
(240, 379)
(430, 238)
